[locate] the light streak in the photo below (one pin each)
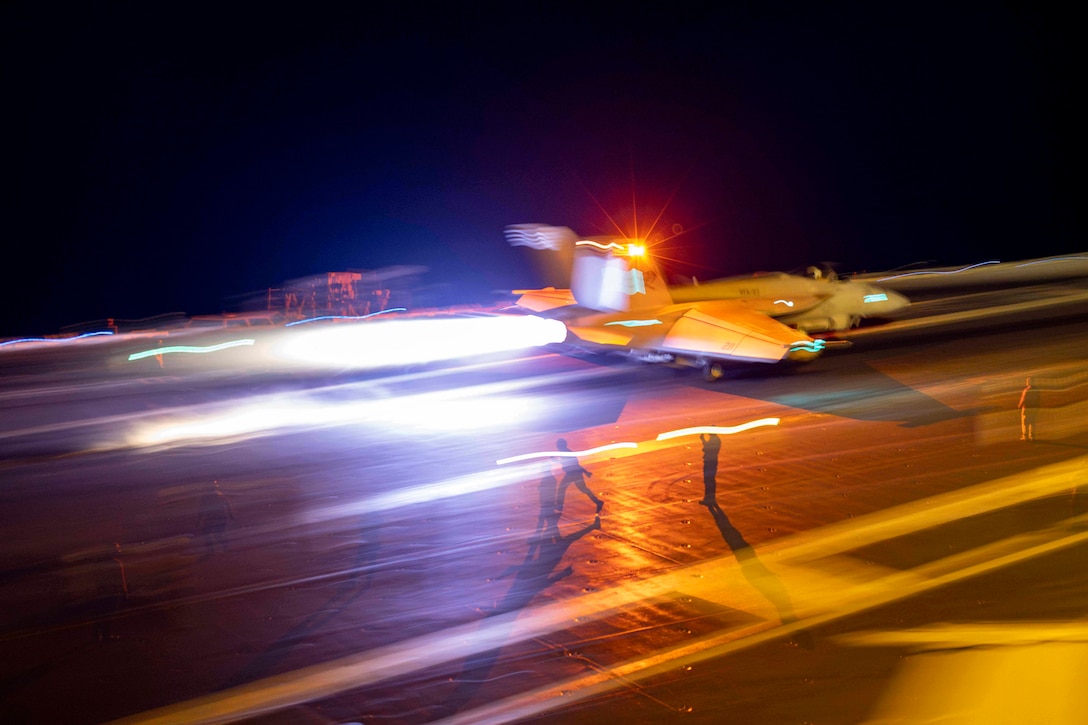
(723, 430)
(787, 303)
(808, 346)
(634, 323)
(598, 245)
(1034, 262)
(565, 454)
(483, 407)
(950, 271)
(986, 634)
(879, 297)
(424, 493)
(346, 317)
(190, 349)
(55, 339)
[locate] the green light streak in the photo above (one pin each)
(189, 349)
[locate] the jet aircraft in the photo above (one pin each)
(818, 303)
(619, 302)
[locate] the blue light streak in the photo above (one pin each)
(346, 317)
(55, 339)
(881, 297)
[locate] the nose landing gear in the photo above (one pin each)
(713, 371)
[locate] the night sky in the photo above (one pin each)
(177, 157)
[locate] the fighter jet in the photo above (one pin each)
(817, 303)
(619, 302)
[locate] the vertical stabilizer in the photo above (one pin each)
(556, 247)
(616, 276)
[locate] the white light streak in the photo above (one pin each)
(706, 429)
(602, 247)
(723, 430)
(565, 454)
(376, 344)
(464, 409)
(924, 272)
(424, 493)
(1052, 260)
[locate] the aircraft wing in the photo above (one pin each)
(542, 300)
(715, 330)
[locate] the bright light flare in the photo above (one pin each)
(377, 344)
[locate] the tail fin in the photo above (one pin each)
(556, 250)
(607, 275)
(610, 276)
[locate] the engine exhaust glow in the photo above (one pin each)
(376, 344)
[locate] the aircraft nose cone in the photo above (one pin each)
(896, 301)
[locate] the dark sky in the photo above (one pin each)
(172, 157)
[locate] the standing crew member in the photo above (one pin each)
(1029, 410)
(712, 443)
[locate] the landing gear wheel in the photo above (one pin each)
(713, 371)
